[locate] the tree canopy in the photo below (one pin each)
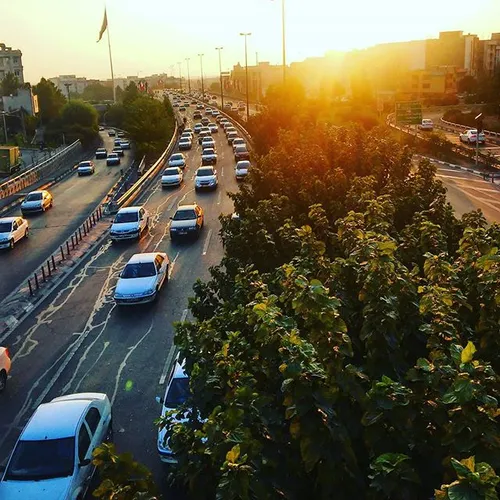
(10, 84)
(50, 100)
(79, 121)
(347, 346)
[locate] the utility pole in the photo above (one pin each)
(180, 76)
(201, 69)
(283, 41)
(246, 70)
(189, 79)
(68, 85)
(479, 129)
(220, 75)
(4, 126)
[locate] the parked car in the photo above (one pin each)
(113, 159)
(208, 156)
(177, 160)
(129, 223)
(37, 201)
(52, 458)
(4, 367)
(206, 178)
(187, 221)
(426, 124)
(469, 136)
(142, 278)
(12, 229)
(241, 169)
(172, 176)
(241, 153)
(85, 168)
(101, 154)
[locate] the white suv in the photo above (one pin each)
(53, 456)
(4, 367)
(129, 223)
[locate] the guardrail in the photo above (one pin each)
(465, 127)
(37, 173)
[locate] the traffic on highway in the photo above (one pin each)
(108, 329)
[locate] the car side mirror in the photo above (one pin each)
(85, 462)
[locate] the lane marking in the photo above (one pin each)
(171, 353)
(172, 265)
(207, 242)
(68, 385)
(172, 203)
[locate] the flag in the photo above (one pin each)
(104, 25)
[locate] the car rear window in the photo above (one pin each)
(185, 215)
(139, 270)
(34, 197)
(171, 171)
(178, 392)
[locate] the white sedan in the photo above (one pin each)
(12, 229)
(177, 160)
(142, 278)
(172, 176)
(85, 168)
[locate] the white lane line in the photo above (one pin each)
(97, 359)
(219, 198)
(172, 265)
(172, 203)
(207, 242)
(171, 353)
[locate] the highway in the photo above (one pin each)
(74, 198)
(78, 340)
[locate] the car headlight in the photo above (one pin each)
(119, 295)
(173, 229)
(150, 291)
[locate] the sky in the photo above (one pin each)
(151, 36)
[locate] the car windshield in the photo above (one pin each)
(204, 172)
(36, 460)
(176, 157)
(34, 197)
(208, 151)
(184, 140)
(126, 217)
(171, 171)
(185, 215)
(243, 165)
(139, 270)
(178, 392)
(241, 149)
(113, 155)
(5, 227)
(84, 164)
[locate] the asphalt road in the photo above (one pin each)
(74, 199)
(78, 340)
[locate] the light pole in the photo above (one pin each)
(283, 40)
(4, 126)
(180, 76)
(201, 69)
(479, 128)
(218, 49)
(246, 69)
(189, 79)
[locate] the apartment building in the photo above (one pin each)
(11, 62)
(76, 85)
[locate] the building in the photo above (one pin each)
(24, 101)
(11, 62)
(70, 83)
(260, 77)
(433, 82)
(489, 60)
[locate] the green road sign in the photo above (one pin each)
(408, 113)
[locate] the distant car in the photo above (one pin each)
(53, 456)
(206, 178)
(187, 221)
(213, 128)
(37, 201)
(175, 105)
(241, 169)
(85, 168)
(208, 111)
(111, 132)
(197, 128)
(172, 176)
(120, 134)
(241, 153)
(204, 134)
(101, 154)
(208, 157)
(117, 142)
(142, 278)
(188, 131)
(215, 112)
(205, 121)
(219, 118)
(469, 136)
(227, 105)
(12, 229)
(125, 144)
(199, 106)
(231, 136)
(185, 143)
(4, 367)
(101, 128)
(208, 142)
(426, 124)
(238, 142)
(186, 135)
(177, 160)
(129, 223)
(182, 108)
(176, 394)
(113, 159)
(230, 128)
(118, 150)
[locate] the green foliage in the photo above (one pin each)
(79, 121)
(121, 477)
(97, 92)
(50, 100)
(10, 84)
(347, 346)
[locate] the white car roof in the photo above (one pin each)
(187, 207)
(8, 219)
(54, 420)
(129, 209)
(141, 258)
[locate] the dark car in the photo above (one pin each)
(101, 154)
(118, 150)
(241, 153)
(197, 115)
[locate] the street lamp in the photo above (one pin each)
(201, 69)
(479, 128)
(220, 75)
(189, 79)
(246, 68)
(283, 39)
(180, 76)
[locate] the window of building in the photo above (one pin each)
(17, 72)
(426, 85)
(15, 60)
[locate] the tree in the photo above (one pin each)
(347, 346)
(79, 120)
(50, 100)
(130, 93)
(97, 92)
(10, 84)
(467, 84)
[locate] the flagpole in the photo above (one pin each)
(111, 61)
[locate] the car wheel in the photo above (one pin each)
(3, 381)
(26, 233)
